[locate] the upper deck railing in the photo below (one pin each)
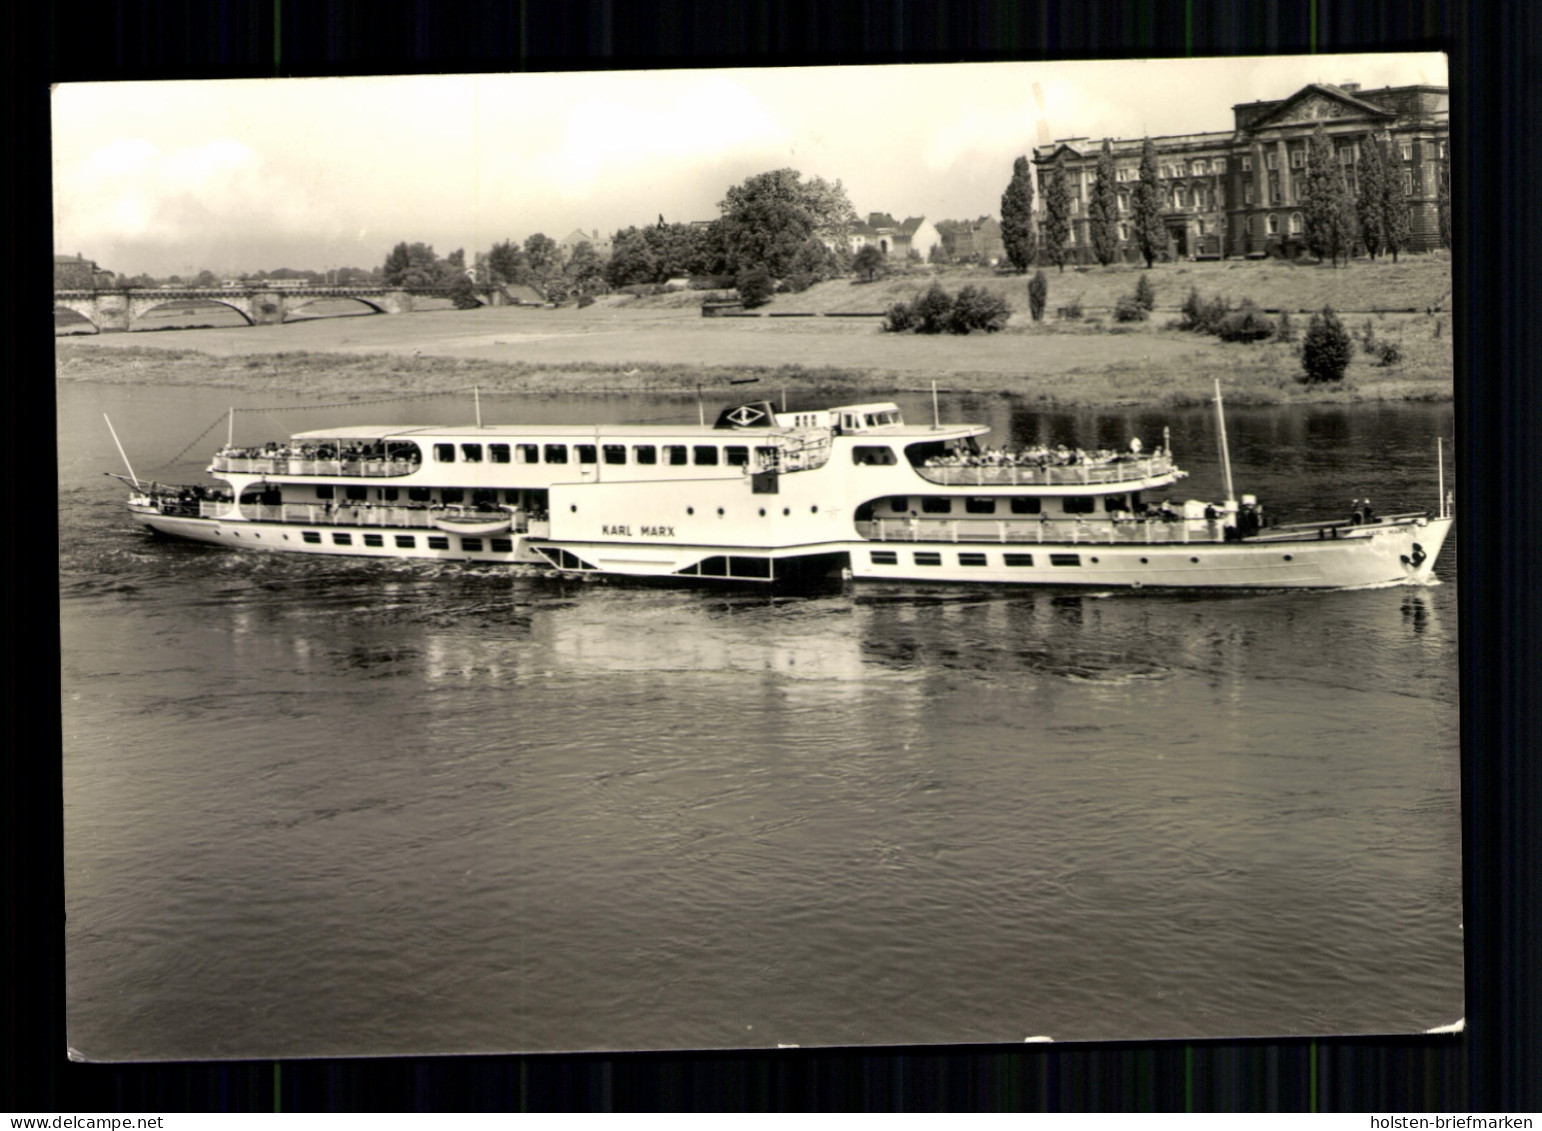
(1050, 475)
(284, 465)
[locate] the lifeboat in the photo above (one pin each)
(456, 520)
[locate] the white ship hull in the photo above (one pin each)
(1383, 554)
(382, 542)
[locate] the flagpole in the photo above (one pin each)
(1220, 416)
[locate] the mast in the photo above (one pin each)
(1220, 417)
(936, 413)
(230, 430)
(476, 393)
(1440, 463)
(121, 452)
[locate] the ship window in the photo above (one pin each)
(980, 506)
(714, 567)
(615, 453)
(339, 538)
(705, 455)
(1079, 504)
(484, 497)
(899, 504)
(471, 545)
(884, 557)
(528, 453)
(749, 567)
(502, 545)
(312, 536)
(471, 452)
(444, 453)
(736, 456)
(873, 455)
(587, 453)
(324, 491)
(556, 453)
(1116, 503)
(936, 504)
(928, 557)
(645, 454)
(406, 542)
(1065, 559)
(389, 494)
(971, 559)
(499, 453)
(438, 542)
(675, 454)
(356, 493)
(374, 540)
(451, 495)
(1017, 559)
(419, 494)
(1026, 504)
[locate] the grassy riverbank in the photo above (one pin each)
(662, 343)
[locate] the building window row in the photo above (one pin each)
(675, 455)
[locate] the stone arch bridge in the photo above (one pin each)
(119, 310)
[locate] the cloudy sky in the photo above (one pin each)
(173, 177)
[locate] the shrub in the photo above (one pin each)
(978, 309)
(1071, 311)
(1212, 314)
(1387, 354)
(1286, 330)
(1129, 309)
(1326, 348)
(1145, 294)
(585, 299)
(1038, 295)
(1368, 337)
(932, 311)
(755, 287)
(1245, 324)
(798, 282)
(1191, 309)
(898, 318)
(463, 294)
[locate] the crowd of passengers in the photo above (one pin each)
(1039, 457)
(349, 452)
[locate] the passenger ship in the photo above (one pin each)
(763, 496)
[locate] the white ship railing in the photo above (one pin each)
(282, 465)
(1054, 530)
(1082, 474)
(319, 514)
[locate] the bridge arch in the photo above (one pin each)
(143, 307)
(300, 301)
(86, 308)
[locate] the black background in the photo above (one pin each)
(1497, 183)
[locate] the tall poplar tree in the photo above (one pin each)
(1146, 207)
(1018, 235)
(1395, 220)
(1325, 203)
(1443, 199)
(1057, 213)
(1368, 196)
(1103, 209)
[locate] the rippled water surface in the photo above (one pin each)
(325, 807)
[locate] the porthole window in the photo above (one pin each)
(690, 510)
(720, 512)
(1194, 560)
(762, 512)
(814, 509)
(1287, 557)
(786, 510)
(574, 508)
(1145, 561)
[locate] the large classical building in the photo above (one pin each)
(1238, 192)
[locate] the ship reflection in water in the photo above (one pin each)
(339, 807)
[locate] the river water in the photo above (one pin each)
(320, 807)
